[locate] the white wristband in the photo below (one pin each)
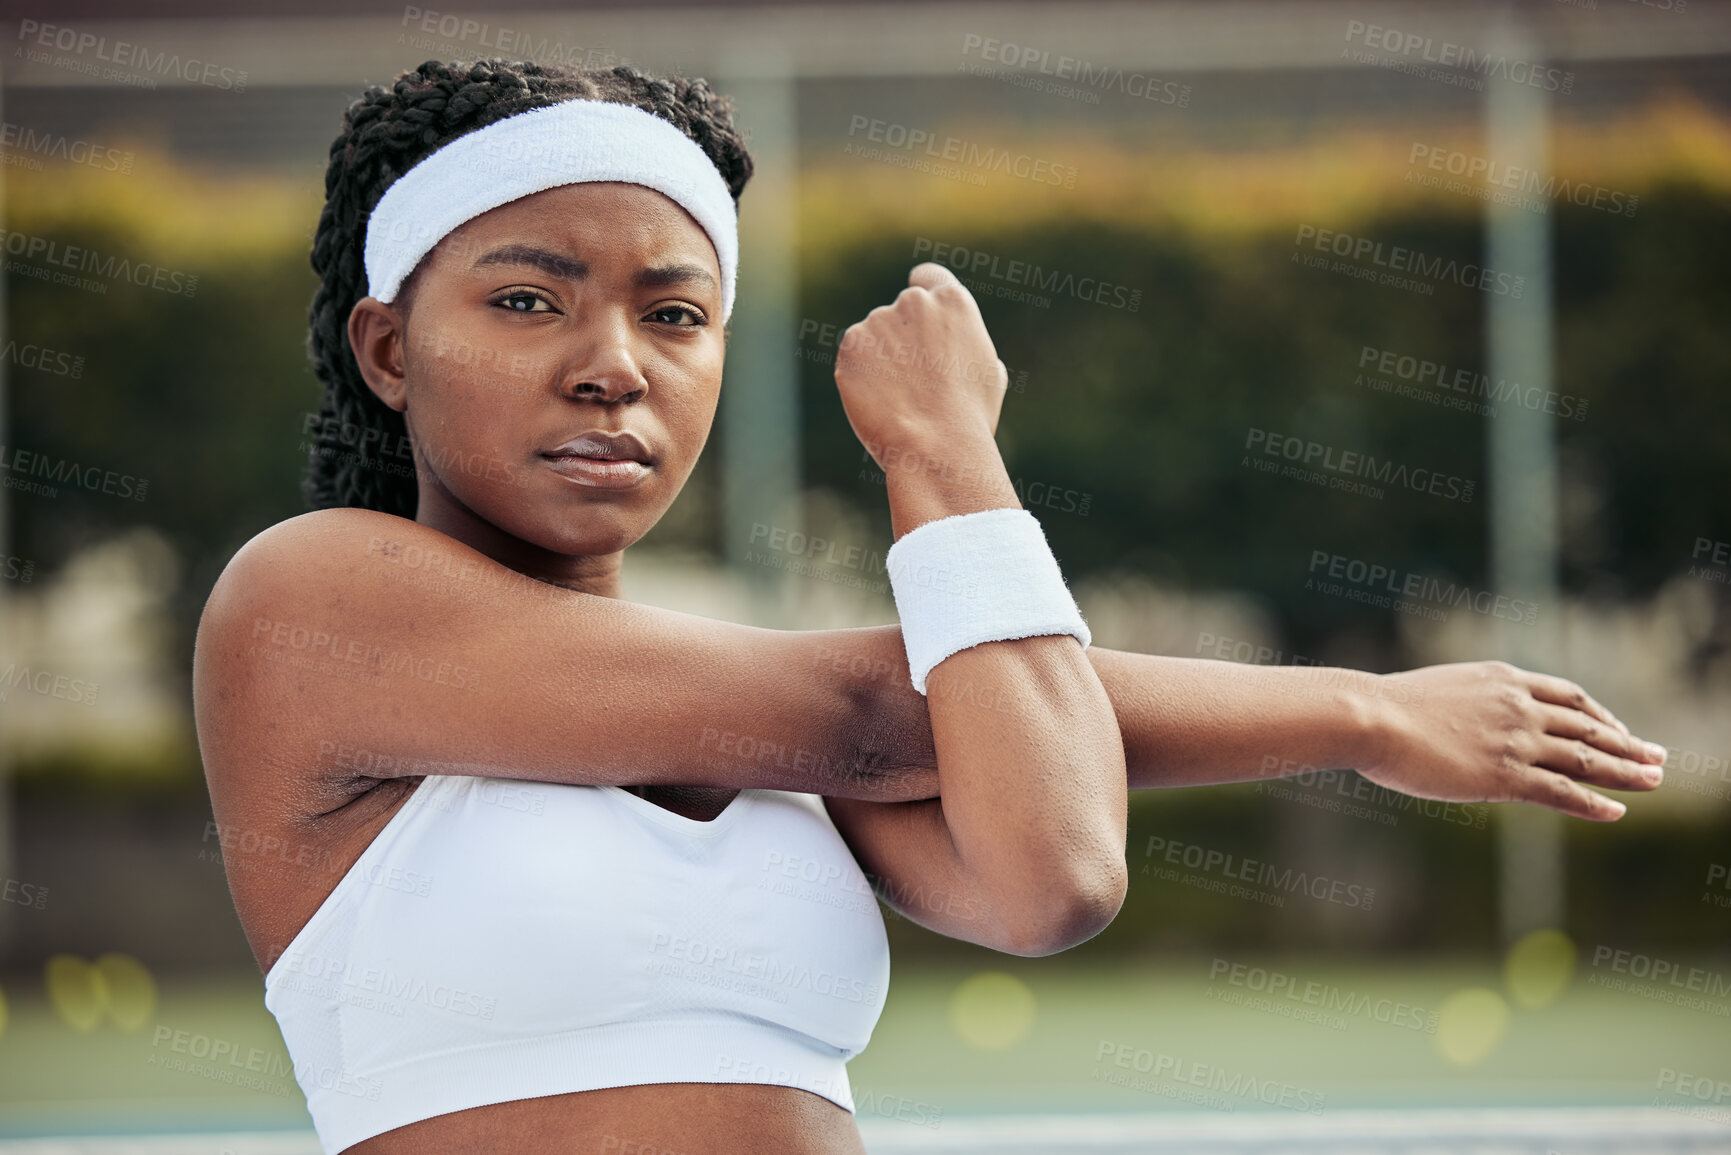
(977, 577)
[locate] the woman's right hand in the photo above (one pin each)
(920, 375)
(922, 387)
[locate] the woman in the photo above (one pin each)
(532, 868)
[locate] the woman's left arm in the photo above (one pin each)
(1461, 732)
(1464, 732)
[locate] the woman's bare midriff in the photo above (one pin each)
(274, 901)
(664, 1118)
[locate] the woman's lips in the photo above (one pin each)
(603, 473)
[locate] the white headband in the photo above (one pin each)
(572, 142)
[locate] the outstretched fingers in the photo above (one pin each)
(1590, 765)
(1562, 692)
(1547, 788)
(1590, 751)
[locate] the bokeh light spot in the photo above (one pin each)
(992, 1011)
(130, 989)
(75, 991)
(1539, 968)
(1470, 1024)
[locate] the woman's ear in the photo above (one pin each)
(376, 336)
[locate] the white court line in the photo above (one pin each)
(1512, 1131)
(1502, 1131)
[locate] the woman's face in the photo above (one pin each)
(584, 309)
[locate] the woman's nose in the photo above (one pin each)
(602, 366)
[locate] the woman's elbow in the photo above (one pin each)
(1069, 910)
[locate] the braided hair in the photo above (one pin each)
(384, 134)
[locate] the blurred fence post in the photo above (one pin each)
(759, 409)
(1521, 463)
(6, 915)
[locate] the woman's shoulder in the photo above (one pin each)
(309, 537)
(290, 568)
(308, 553)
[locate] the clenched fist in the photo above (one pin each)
(919, 378)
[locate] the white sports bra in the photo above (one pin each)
(504, 939)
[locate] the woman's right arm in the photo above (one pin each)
(368, 646)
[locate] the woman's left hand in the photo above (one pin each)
(1492, 732)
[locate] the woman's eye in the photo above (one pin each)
(671, 313)
(524, 303)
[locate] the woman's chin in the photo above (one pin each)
(591, 535)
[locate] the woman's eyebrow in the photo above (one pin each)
(670, 276)
(572, 269)
(567, 268)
